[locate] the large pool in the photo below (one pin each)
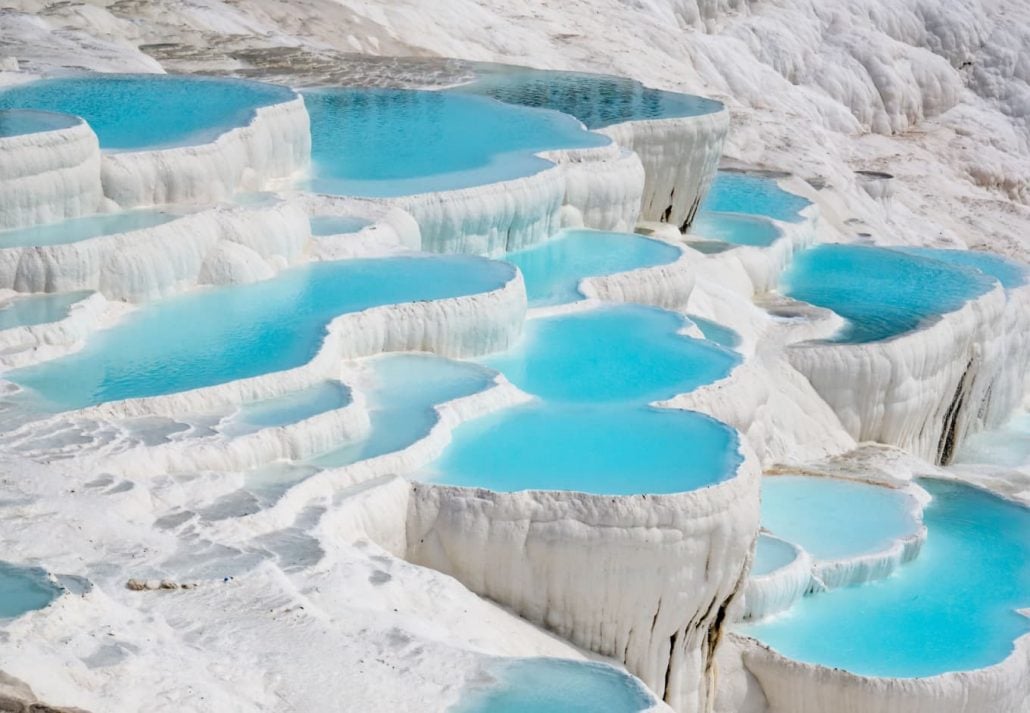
(557, 686)
(880, 291)
(24, 589)
(554, 269)
(38, 309)
(951, 609)
(228, 333)
(145, 111)
(17, 122)
(394, 142)
(739, 192)
(74, 230)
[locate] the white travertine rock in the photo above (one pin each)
(778, 590)
(23, 345)
(667, 286)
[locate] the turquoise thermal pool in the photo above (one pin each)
(290, 408)
(557, 686)
(1009, 274)
(163, 108)
(395, 142)
(17, 122)
(595, 99)
(554, 269)
(322, 225)
(77, 229)
(739, 192)
(880, 291)
(24, 589)
(229, 333)
(735, 229)
(834, 519)
(38, 309)
(953, 608)
(771, 554)
(715, 332)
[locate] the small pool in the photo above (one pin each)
(735, 229)
(716, 332)
(755, 194)
(621, 353)
(38, 309)
(595, 99)
(832, 518)
(290, 408)
(1009, 273)
(77, 229)
(1007, 445)
(404, 390)
(18, 122)
(554, 269)
(228, 333)
(322, 225)
(953, 608)
(394, 142)
(130, 112)
(542, 685)
(882, 292)
(771, 554)
(24, 589)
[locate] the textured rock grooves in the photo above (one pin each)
(946, 449)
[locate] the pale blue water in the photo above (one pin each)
(1007, 445)
(38, 309)
(624, 353)
(715, 332)
(881, 292)
(1009, 273)
(595, 99)
(542, 685)
(737, 192)
(20, 122)
(24, 589)
(74, 230)
(951, 609)
(604, 449)
(337, 224)
(144, 111)
(833, 518)
(405, 390)
(735, 228)
(393, 142)
(553, 270)
(290, 408)
(771, 554)
(228, 333)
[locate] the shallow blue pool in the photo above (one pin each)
(394, 142)
(1007, 445)
(24, 589)
(738, 192)
(624, 353)
(1009, 273)
(735, 229)
(880, 291)
(145, 111)
(542, 685)
(38, 309)
(771, 554)
(18, 122)
(230, 333)
(716, 332)
(554, 269)
(337, 224)
(951, 609)
(405, 389)
(832, 518)
(597, 100)
(74, 230)
(289, 408)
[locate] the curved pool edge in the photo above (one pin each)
(667, 285)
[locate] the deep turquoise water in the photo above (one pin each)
(17, 123)
(1009, 273)
(609, 450)
(405, 390)
(24, 589)
(553, 270)
(951, 609)
(736, 192)
(624, 353)
(290, 408)
(715, 332)
(833, 518)
(228, 333)
(595, 99)
(337, 224)
(544, 685)
(880, 291)
(75, 229)
(393, 142)
(38, 309)
(735, 228)
(145, 111)
(771, 554)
